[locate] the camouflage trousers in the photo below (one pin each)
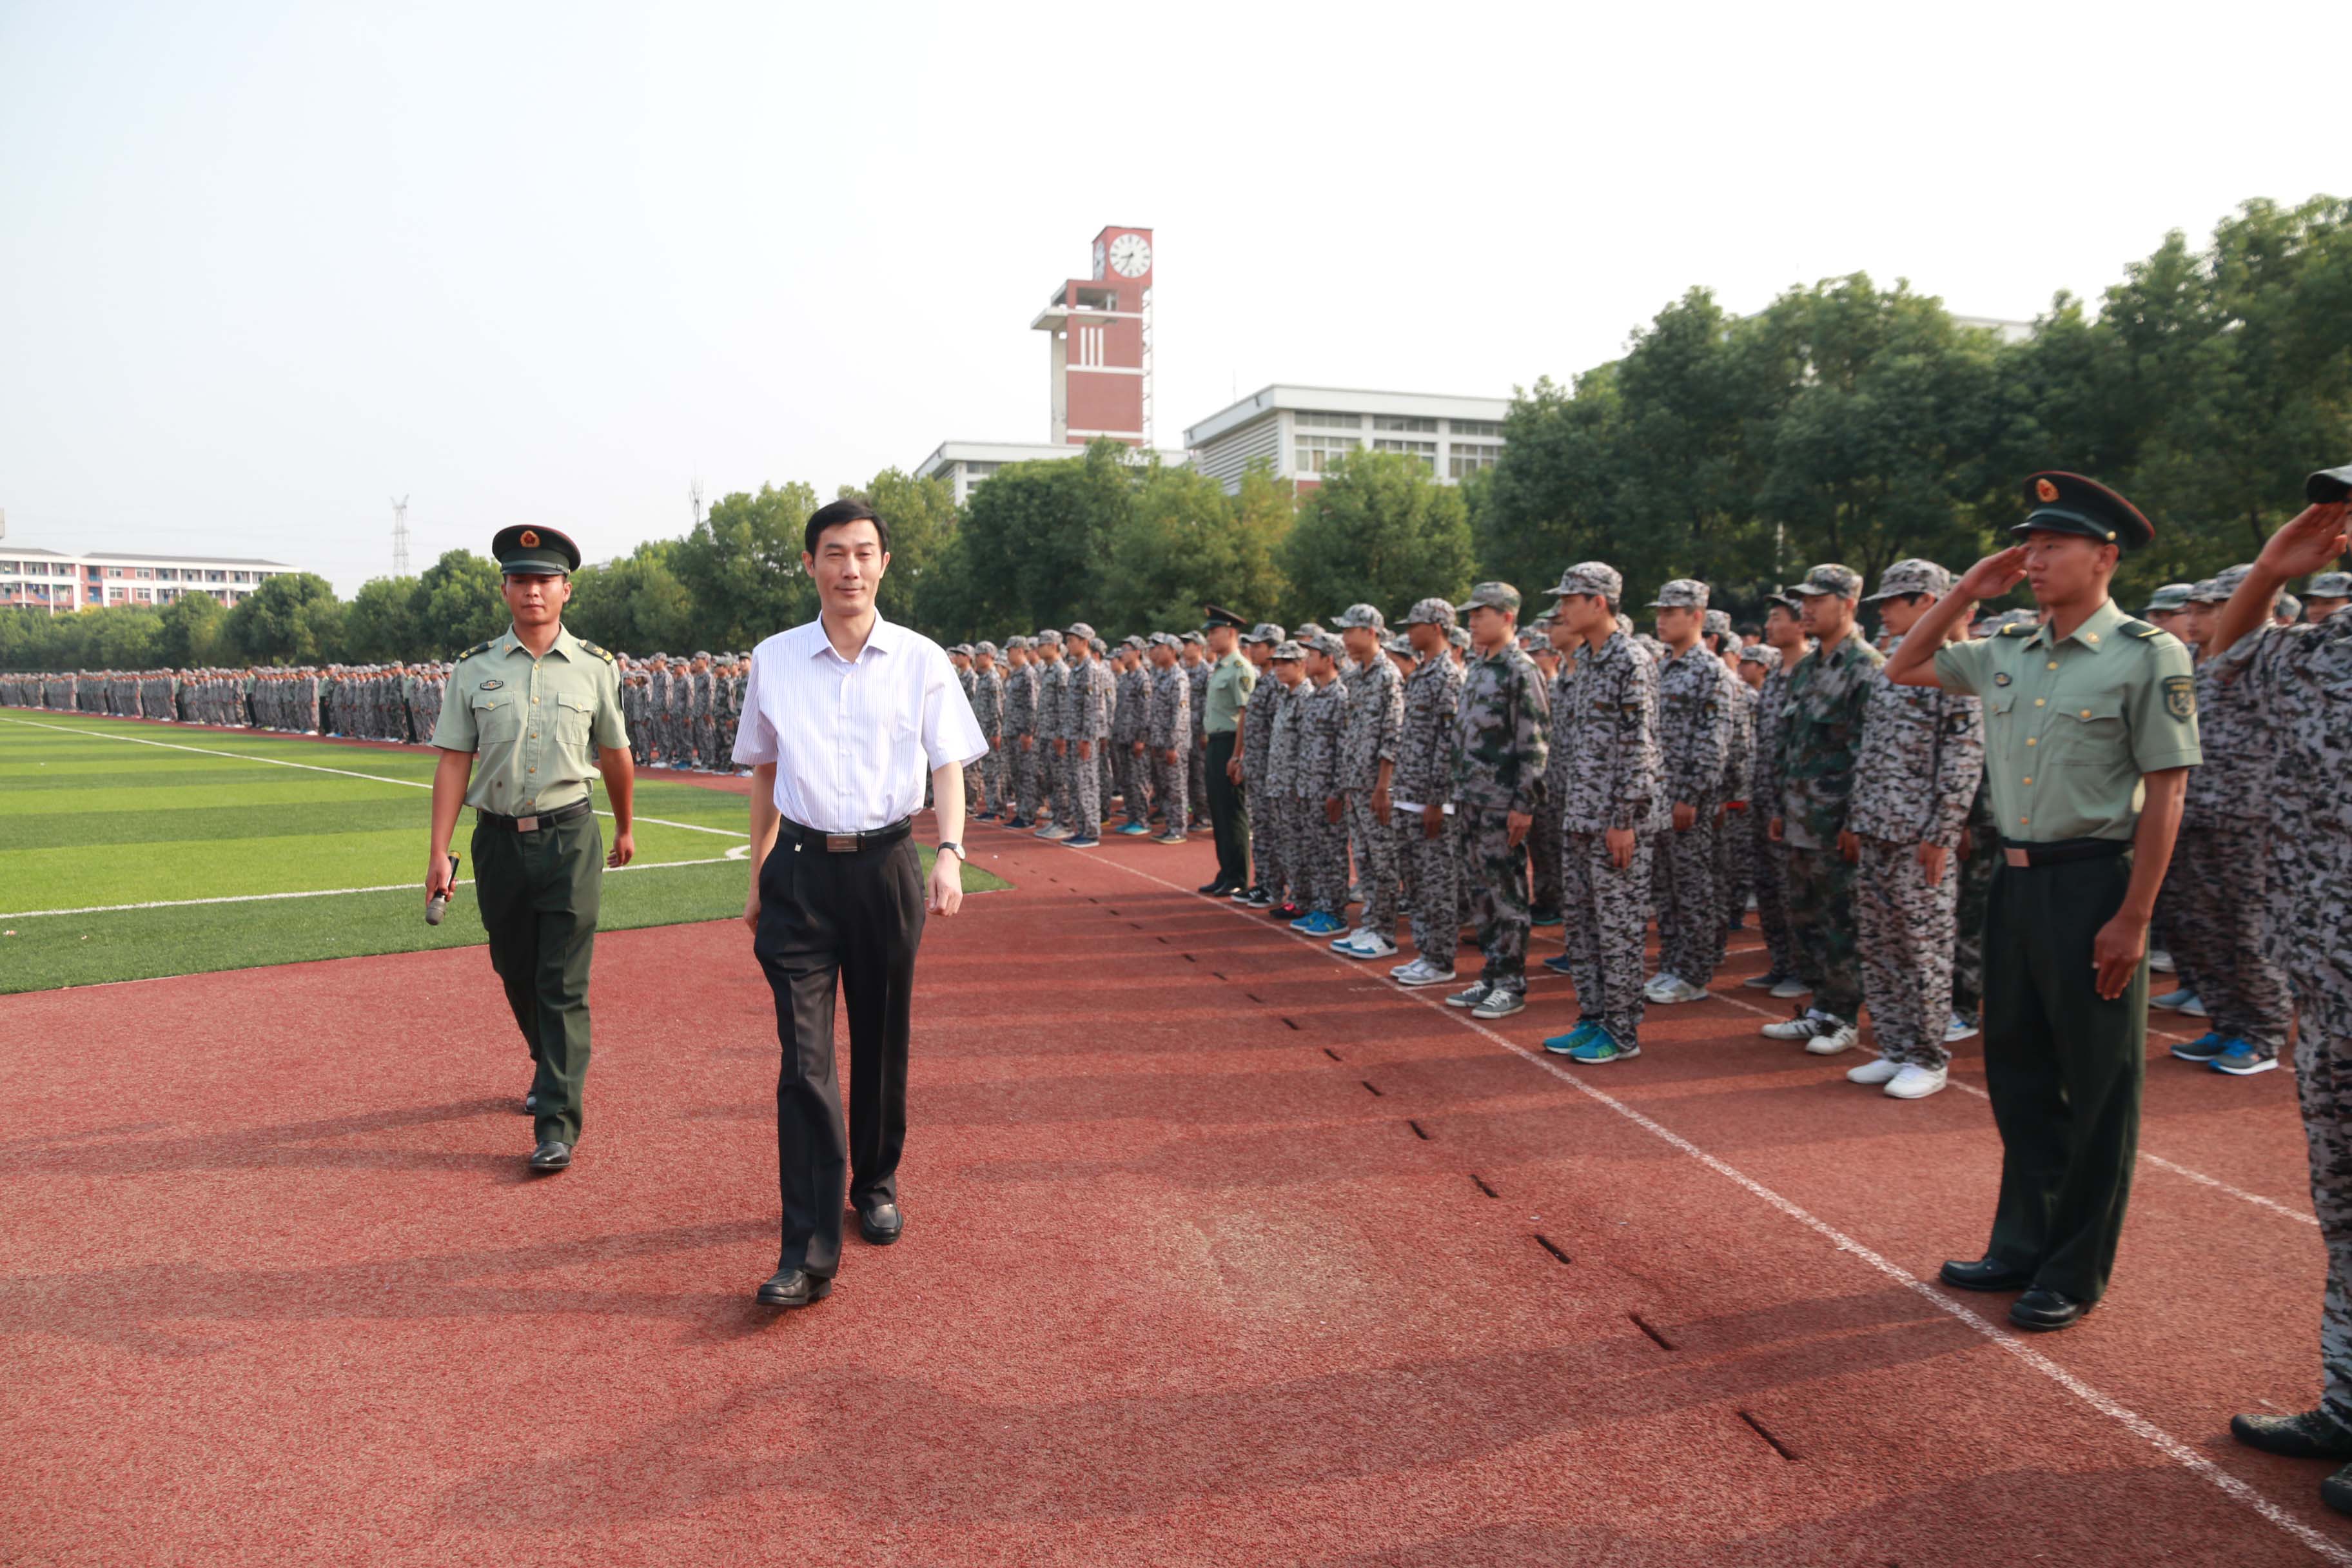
(1821, 914)
(1377, 869)
(1196, 777)
(1431, 869)
(992, 777)
(1690, 913)
(2317, 952)
(1735, 873)
(1174, 784)
(1085, 790)
(1498, 895)
(1320, 870)
(1607, 914)
(1028, 784)
(2220, 943)
(1129, 769)
(1905, 927)
(1546, 844)
(975, 785)
(1105, 778)
(705, 739)
(1976, 871)
(1265, 836)
(1770, 862)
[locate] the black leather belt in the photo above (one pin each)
(533, 823)
(843, 843)
(2060, 851)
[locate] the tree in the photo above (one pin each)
(635, 604)
(192, 632)
(1034, 537)
(1380, 530)
(1184, 542)
(923, 517)
(381, 624)
(741, 567)
(457, 604)
(292, 618)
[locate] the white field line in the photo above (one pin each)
(741, 852)
(2138, 1426)
(315, 768)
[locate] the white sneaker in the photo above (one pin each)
(1369, 943)
(1057, 833)
(1676, 989)
(1657, 983)
(1803, 1026)
(1915, 1082)
(1420, 972)
(1959, 1028)
(1789, 990)
(1876, 1072)
(2192, 1008)
(1833, 1037)
(2159, 960)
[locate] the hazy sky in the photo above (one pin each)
(264, 266)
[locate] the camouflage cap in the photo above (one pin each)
(1361, 617)
(1195, 638)
(1718, 623)
(1080, 630)
(1912, 577)
(1830, 578)
(1459, 636)
(1327, 643)
(1398, 642)
(1429, 613)
(1012, 642)
(1287, 649)
(1786, 597)
(2329, 585)
(1097, 645)
(962, 648)
(984, 648)
(2290, 606)
(1307, 630)
(2217, 589)
(1049, 638)
(1164, 639)
(1681, 593)
(1591, 577)
(2170, 597)
(1761, 653)
(1492, 595)
(1534, 641)
(1266, 632)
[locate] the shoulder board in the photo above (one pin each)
(2019, 629)
(478, 648)
(2140, 628)
(599, 652)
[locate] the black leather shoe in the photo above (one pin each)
(2336, 1491)
(794, 1287)
(551, 1156)
(1984, 1274)
(1214, 890)
(2040, 1308)
(529, 1106)
(881, 1225)
(2306, 1435)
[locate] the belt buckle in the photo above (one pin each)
(526, 824)
(2017, 857)
(841, 843)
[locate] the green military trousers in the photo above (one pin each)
(2064, 1069)
(539, 893)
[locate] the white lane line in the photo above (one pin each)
(741, 852)
(315, 768)
(2138, 1426)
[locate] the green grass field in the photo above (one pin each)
(97, 814)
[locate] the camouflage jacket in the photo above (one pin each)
(1267, 698)
(1555, 763)
(1694, 720)
(1764, 759)
(1500, 732)
(2298, 680)
(1922, 753)
(1739, 764)
(2234, 778)
(1169, 721)
(1617, 776)
(1424, 766)
(987, 702)
(1196, 690)
(1322, 724)
(1020, 702)
(1282, 750)
(1093, 691)
(968, 678)
(1820, 731)
(1133, 704)
(1055, 710)
(1375, 716)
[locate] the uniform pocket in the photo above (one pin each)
(496, 718)
(2090, 734)
(573, 718)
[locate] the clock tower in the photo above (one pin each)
(1099, 329)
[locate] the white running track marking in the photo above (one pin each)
(2139, 1425)
(315, 768)
(739, 852)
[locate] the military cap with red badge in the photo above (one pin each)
(2069, 503)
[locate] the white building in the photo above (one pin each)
(1301, 429)
(46, 580)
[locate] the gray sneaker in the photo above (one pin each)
(1501, 1004)
(1472, 997)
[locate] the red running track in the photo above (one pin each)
(1219, 1250)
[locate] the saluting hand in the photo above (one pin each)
(1994, 575)
(2310, 542)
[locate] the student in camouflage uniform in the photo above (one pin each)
(1734, 843)
(1266, 699)
(1321, 850)
(1499, 758)
(2298, 683)
(1367, 776)
(1423, 790)
(2324, 595)
(962, 660)
(1168, 735)
(1546, 844)
(2222, 944)
(1615, 807)
(1127, 732)
(1052, 743)
(1922, 753)
(1284, 884)
(1761, 666)
(1821, 730)
(1195, 650)
(1696, 714)
(1020, 731)
(988, 707)
(1092, 688)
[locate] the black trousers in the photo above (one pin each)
(851, 921)
(2064, 1068)
(1228, 813)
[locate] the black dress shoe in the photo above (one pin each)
(2306, 1435)
(794, 1287)
(2336, 1491)
(551, 1156)
(529, 1106)
(2040, 1309)
(1986, 1275)
(881, 1225)
(1214, 890)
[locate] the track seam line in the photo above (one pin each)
(2138, 1426)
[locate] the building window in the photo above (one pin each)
(1476, 427)
(1425, 450)
(1463, 461)
(144, 596)
(1324, 419)
(1316, 453)
(1411, 424)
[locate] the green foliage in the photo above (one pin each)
(192, 632)
(1184, 542)
(741, 568)
(636, 603)
(1378, 529)
(291, 619)
(923, 517)
(381, 625)
(1035, 538)
(457, 604)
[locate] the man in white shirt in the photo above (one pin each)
(842, 718)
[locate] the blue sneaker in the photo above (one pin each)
(1560, 1045)
(1318, 924)
(2204, 1048)
(1557, 963)
(1546, 918)
(2238, 1058)
(1083, 841)
(1602, 1047)
(1133, 830)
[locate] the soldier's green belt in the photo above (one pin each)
(2060, 851)
(531, 824)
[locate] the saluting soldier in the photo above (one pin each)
(1253, 752)
(2089, 732)
(542, 710)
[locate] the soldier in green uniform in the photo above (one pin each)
(2090, 720)
(542, 710)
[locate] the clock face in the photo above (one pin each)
(1131, 255)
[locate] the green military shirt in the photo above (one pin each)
(2070, 727)
(1230, 685)
(537, 724)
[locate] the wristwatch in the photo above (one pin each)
(958, 848)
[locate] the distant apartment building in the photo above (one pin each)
(47, 580)
(1299, 431)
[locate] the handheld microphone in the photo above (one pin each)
(438, 904)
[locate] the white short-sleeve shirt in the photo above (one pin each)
(854, 741)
